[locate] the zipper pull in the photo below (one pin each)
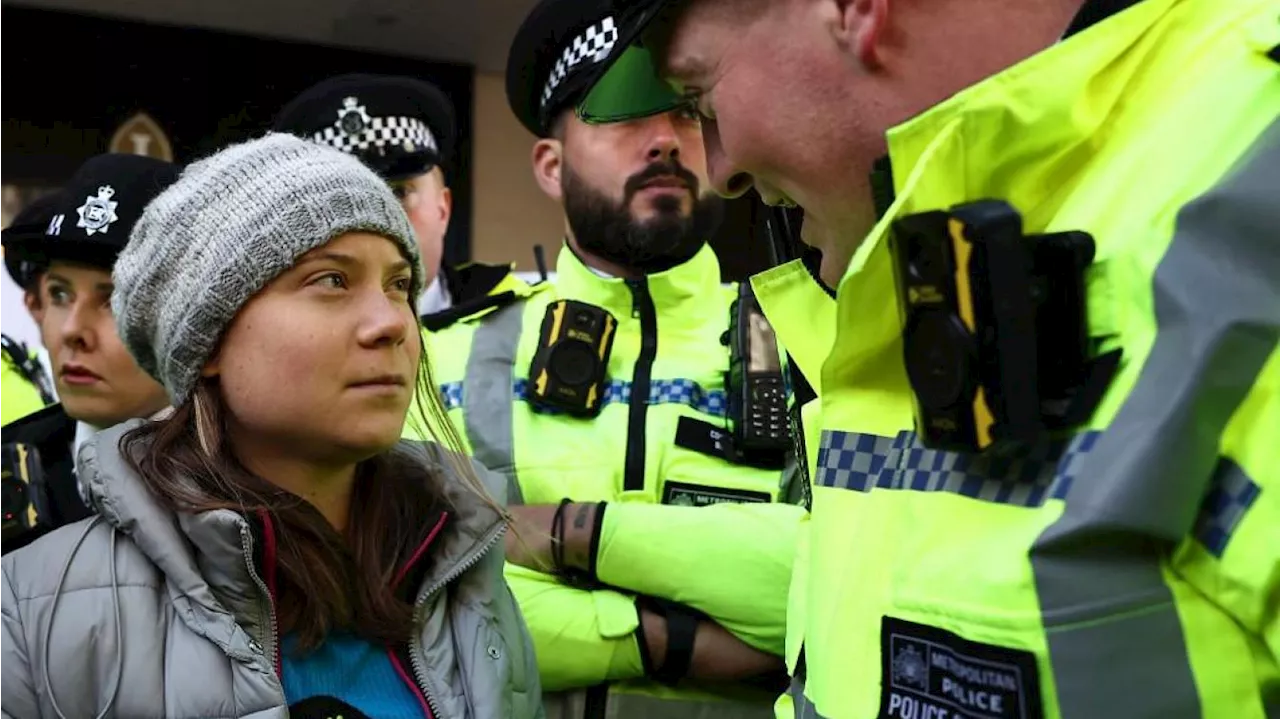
(636, 287)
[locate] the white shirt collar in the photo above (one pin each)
(435, 299)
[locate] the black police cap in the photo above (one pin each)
(398, 126)
(91, 218)
(548, 66)
(30, 223)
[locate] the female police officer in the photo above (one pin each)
(67, 263)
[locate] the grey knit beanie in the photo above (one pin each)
(230, 225)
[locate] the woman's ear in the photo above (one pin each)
(547, 160)
(213, 367)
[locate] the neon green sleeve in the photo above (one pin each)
(581, 638)
(21, 398)
(730, 561)
(1236, 562)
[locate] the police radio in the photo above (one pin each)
(20, 481)
(995, 330)
(757, 392)
(569, 370)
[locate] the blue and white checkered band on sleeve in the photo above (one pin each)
(594, 44)
(363, 132)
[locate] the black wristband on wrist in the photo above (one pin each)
(682, 628)
(571, 576)
(557, 536)
(597, 525)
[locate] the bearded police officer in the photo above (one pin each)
(403, 128)
(67, 267)
(1047, 479)
(618, 401)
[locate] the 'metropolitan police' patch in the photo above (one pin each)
(929, 673)
(696, 495)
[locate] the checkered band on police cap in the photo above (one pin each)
(398, 125)
(593, 43)
(356, 131)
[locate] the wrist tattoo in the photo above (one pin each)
(580, 519)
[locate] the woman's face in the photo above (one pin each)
(98, 381)
(321, 363)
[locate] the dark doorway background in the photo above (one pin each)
(70, 79)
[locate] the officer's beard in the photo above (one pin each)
(607, 229)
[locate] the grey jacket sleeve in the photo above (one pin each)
(17, 690)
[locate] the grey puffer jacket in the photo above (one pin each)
(140, 612)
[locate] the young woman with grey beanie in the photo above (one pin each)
(272, 548)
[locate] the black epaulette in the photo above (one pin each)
(473, 280)
(43, 425)
(446, 318)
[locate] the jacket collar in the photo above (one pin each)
(1091, 13)
(1023, 135)
(684, 287)
(207, 558)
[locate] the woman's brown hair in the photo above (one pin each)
(324, 580)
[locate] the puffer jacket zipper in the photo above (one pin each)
(268, 588)
(422, 686)
(416, 659)
(420, 689)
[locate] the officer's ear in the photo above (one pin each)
(444, 198)
(548, 159)
(861, 26)
(31, 300)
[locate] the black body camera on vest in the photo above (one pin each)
(570, 368)
(995, 332)
(757, 392)
(20, 485)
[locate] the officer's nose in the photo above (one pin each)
(664, 142)
(79, 329)
(726, 179)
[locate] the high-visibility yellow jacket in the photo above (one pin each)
(729, 555)
(21, 395)
(1133, 568)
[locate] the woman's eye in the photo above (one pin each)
(59, 296)
(403, 284)
(331, 280)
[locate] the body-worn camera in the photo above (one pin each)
(995, 331)
(570, 368)
(19, 481)
(757, 396)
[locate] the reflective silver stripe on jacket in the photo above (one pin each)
(488, 395)
(1097, 569)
